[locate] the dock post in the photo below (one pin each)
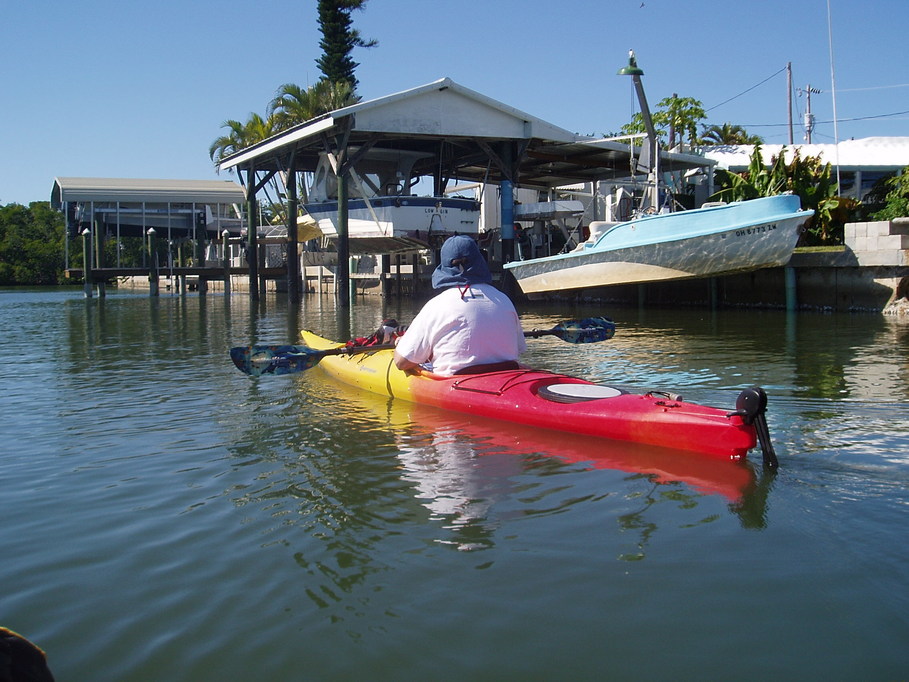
(342, 275)
(252, 228)
(87, 263)
(152, 264)
(99, 257)
(181, 279)
(293, 252)
(225, 260)
(262, 277)
(792, 302)
(200, 254)
(385, 275)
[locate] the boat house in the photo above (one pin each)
(149, 222)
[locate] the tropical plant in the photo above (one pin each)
(339, 39)
(674, 116)
(896, 197)
(682, 115)
(808, 177)
(727, 133)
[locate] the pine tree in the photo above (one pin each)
(338, 40)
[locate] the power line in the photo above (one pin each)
(876, 87)
(746, 91)
(841, 120)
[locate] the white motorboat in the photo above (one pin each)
(384, 215)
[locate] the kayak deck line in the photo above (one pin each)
(513, 378)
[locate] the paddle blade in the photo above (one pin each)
(259, 360)
(588, 330)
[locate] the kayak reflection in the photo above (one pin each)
(732, 480)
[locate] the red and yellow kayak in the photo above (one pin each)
(553, 401)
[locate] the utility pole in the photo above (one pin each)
(789, 97)
(809, 117)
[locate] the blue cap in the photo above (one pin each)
(461, 264)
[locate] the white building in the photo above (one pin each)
(861, 162)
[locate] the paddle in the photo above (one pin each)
(588, 330)
(288, 359)
(258, 360)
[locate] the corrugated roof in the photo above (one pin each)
(129, 190)
(877, 153)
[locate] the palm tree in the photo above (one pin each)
(728, 134)
(292, 104)
(241, 136)
(258, 128)
(331, 95)
(225, 145)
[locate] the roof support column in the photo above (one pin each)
(507, 200)
(507, 160)
(252, 227)
(342, 272)
(342, 171)
(293, 255)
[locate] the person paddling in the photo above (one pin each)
(469, 326)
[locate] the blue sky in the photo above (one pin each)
(121, 89)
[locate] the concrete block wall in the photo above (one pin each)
(879, 242)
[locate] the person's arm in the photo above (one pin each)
(404, 364)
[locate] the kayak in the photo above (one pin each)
(553, 401)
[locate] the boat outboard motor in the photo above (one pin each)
(751, 406)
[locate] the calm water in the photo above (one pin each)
(168, 518)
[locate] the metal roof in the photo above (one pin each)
(126, 190)
(460, 128)
(868, 153)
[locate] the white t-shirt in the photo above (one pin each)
(454, 331)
